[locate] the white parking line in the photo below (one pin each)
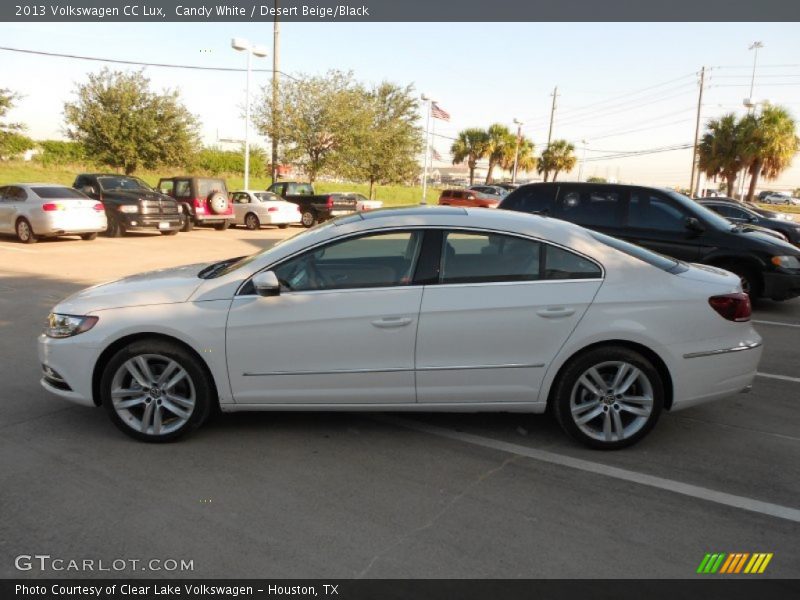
(779, 323)
(781, 377)
(670, 485)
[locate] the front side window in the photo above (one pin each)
(370, 261)
(591, 208)
(533, 199)
(649, 211)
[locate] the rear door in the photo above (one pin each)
(501, 308)
(6, 211)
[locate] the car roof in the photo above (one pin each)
(37, 184)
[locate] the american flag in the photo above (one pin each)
(439, 113)
(435, 155)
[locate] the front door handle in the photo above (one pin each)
(555, 312)
(388, 322)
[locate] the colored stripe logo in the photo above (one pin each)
(734, 563)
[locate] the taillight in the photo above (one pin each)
(733, 307)
(98, 207)
(330, 202)
(273, 209)
(51, 206)
(199, 205)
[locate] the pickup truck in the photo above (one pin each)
(130, 204)
(314, 208)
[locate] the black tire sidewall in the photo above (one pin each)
(88, 237)
(250, 217)
(577, 366)
(313, 218)
(751, 275)
(204, 396)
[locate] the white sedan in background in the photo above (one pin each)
(416, 309)
(35, 210)
(254, 209)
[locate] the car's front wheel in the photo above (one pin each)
(156, 391)
(609, 397)
(308, 218)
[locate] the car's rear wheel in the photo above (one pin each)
(251, 221)
(188, 222)
(749, 278)
(308, 218)
(25, 232)
(170, 232)
(283, 226)
(222, 226)
(156, 391)
(115, 228)
(88, 237)
(609, 397)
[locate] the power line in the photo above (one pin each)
(141, 64)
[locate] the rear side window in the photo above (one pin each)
(205, 187)
(533, 199)
(591, 208)
(183, 189)
(563, 264)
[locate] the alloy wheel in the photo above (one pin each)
(153, 394)
(611, 401)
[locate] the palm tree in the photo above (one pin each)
(501, 144)
(769, 143)
(526, 161)
(719, 150)
(559, 156)
(471, 145)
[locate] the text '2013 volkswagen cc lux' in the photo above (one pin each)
(426, 309)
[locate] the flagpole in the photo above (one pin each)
(427, 151)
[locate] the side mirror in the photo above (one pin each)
(752, 220)
(266, 284)
(694, 225)
(88, 190)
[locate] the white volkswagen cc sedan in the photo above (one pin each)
(418, 309)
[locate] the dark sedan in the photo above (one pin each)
(739, 213)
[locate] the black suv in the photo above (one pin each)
(130, 204)
(672, 224)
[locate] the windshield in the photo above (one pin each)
(120, 182)
(665, 263)
(266, 197)
(708, 215)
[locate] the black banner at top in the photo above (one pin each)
(399, 10)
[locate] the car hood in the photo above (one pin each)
(165, 286)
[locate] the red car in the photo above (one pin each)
(467, 198)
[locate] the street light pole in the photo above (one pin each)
(243, 45)
(583, 161)
(516, 152)
(754, 46)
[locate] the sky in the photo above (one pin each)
(622, 87)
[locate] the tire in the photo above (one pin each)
(188, 222)
(171, 232)
(88, 237)
(750, 278)
(191, 395)
(308, 218)
(222, 226)
(25, 232)
(115, 228)
(283, 226)
(218, 203)
(613, 419)
(251, 221)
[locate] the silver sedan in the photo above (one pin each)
(34, 210)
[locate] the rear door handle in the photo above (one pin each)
(555, 312)
(388, 322)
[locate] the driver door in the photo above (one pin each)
(341, 331)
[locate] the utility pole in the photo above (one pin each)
(276, 45)
(552, 114)
(516, 152)
(697, 136)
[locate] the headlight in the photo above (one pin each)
(129, 208)
(62, 326)
(787, 262)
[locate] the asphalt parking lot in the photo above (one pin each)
(366, 495)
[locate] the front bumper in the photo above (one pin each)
(781, 286)
(67, 366)
(135, 222)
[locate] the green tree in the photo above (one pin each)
(12, 140)
(388, 140)
(319, 121)
(596, 179)
(526, 159)
(501, 145)
(558, 157)
(719, 153)
(769, 142)
(123, 124)
(470, 146)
